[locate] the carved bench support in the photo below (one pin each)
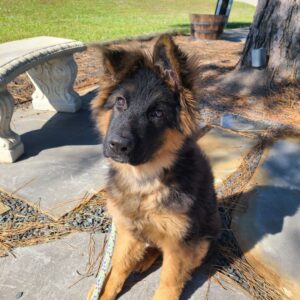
(53, 81)
(11, 146)
(50, 65)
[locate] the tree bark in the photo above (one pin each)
(276, 27)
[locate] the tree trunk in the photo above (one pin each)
(276, 27)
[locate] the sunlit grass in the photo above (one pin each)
(90, 20)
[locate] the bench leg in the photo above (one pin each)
(11, 146)
(53, 82)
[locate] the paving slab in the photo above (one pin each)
(267, 222)
(144, 286)
(47, 271)
(63, 162)
(225, 151)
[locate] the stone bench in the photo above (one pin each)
(50, 66)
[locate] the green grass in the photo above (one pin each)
(90, 20)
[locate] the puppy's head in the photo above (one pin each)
(145, 106)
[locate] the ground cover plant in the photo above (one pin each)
(105, 20)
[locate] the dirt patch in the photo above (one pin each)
(210, 55)
(216, 60)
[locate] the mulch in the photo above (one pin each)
(214, 59)
(209, 53)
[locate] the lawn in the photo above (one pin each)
(92, 20)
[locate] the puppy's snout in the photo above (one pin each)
(120, 145)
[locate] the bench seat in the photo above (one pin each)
(50, 65)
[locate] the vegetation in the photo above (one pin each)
(91, 20)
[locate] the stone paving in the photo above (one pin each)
(59, 268)
(225, 151)
(266, 228)
(267, 222)
(51, 270)
(63, 167)
(63, 163)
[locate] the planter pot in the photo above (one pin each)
(207, 26)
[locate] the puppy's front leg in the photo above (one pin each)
(179, 260)
(127, 253)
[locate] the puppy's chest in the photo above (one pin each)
(146, 215)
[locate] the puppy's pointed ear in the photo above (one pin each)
(170, 61)
(119, 61)
(173, 66)
(115, 61)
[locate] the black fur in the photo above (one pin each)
(161, 185)
(192, 176)
(137, 124)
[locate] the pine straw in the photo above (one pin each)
(227, 248)
(14, 235)
(250, 280)
(94, 260)
(281, 105)
(11, 238)
(228, 257)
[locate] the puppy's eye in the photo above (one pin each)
(121, 103)
(157, 114)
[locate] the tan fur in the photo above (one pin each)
(189, 115)
(136, 201)
(130, 61)
(131, 176)
(127, 254)
(103, 120)
(178, 262)
(141, 216)
(133, 59)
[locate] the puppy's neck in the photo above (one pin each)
(148, 176)
(149, 171)
(143, 179)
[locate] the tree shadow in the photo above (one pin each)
(276, 203)
(185, 29)
(232, 25)
(63, 129)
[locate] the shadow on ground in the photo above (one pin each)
(186, 27)
(63, 129)
(219, 260)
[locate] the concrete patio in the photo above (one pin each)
(63, 167)
(57, 266)
(63, 162)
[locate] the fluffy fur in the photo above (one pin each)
(161, 188)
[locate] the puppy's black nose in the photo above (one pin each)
(120, 145)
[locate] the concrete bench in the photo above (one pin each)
(49, 64)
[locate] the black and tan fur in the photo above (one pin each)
(160, 184)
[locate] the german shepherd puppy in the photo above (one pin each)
(161, 188)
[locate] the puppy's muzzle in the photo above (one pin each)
(120, 146)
